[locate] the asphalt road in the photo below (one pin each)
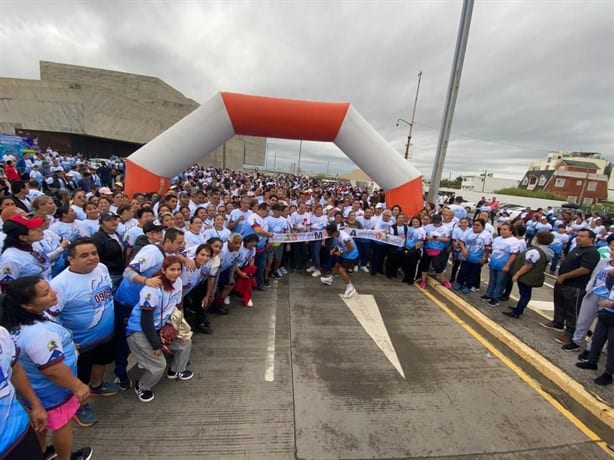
(306, 375)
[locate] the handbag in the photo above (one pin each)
(168, 334)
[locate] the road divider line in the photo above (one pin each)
(518, 371)
(269, 370)
(589, 401)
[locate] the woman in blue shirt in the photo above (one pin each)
(49, 358)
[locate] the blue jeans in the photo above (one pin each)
(525, 295)
(496, 283)
(260, 261)
(554, 262)
(364, 249)
(315, 247)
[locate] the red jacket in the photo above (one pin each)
(11, 173)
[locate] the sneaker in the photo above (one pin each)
(249, 304)
(504, 299)
(485, 297)
(85, 453)
(204, 328)
(446, 284)
(283, 270)
(583, 356)
(184, 375)
(604, 379)
(328, 280)
(563, 339)
(493, 303)
(474, 289)
(422, 284)
(466, 290)
(85, 416)
(144, 395)
(316, 273)
(123, 384)
(586, 365)
(227, 300)
(349, 291)
(552, 325)
(50, 453)
(104, 389)
(511, 314)
(364, 269)
(356, 268)
(311, 269)
(457, 287)
(571, 346)
(276, 276)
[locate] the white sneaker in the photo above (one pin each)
(349, 291)
(250, 303)
(283, 270)
(356, 268)
(227, 300)
(311, 269)
(364, 269)
(328, 280)
(316, 273)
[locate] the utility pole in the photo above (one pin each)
(275, 161)
(484, 179)
(455, 75)
(413, 116)
(300, 150)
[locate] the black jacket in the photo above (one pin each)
(110, 252)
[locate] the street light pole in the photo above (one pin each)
(300, 150)
(454, 83)
(413, 116)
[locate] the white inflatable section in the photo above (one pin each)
(367, 148)
(185, 143)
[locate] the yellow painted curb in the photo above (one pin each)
(569, 385)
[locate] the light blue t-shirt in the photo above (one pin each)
(229, 258)
(146, 262)
(41, 345)
(502, 250)
(413, 236)
(159, 301)
(15, 263)
(441, 232)
(13, 418)
(475, 244)
(342, 241)
(85, 305)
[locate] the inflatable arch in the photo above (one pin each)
(227, 114)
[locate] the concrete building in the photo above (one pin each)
(486, 183)
(100, 112)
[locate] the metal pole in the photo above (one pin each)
(275, 162)
(300, 149)
(328, 168)
(455, 75)
(413, 116)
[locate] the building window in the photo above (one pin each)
(559, 183)
(587, 201)
(579, 183)
(592, 186)
(542, 181)
(533, 180)
(525, 181)
(571, 199)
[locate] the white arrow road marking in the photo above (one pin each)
(366, 311)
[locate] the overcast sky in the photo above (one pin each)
(538, 75)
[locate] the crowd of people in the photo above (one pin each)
(86, 267)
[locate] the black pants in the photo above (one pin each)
(393, 262)
(409, 263)
(101, 354)
(26, 449)
(299, 256)
(194, 312)
(122, 314)
(567, 302)
(604, 331)
(377, 262)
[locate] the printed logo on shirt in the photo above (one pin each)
(52, 345)
(8, 274)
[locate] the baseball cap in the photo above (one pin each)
(105, 191)
(379, 206)
(436, 219)
(107, 216)
(29, 223)
(152, 227)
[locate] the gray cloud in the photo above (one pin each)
(538, 75)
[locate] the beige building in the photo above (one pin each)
(552, 158)
(97, 112)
